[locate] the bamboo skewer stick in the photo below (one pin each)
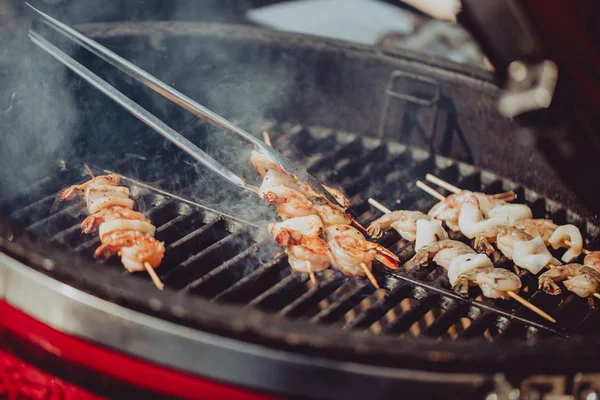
(370, 275)
(89, 170)
(267, 138)
(430, 191)
(379, 206)
(311, 273)
(157, 282)
(441, 183)
(533, 308)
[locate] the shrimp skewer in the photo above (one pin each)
(122, 231)
(569, 236)
(447, 250)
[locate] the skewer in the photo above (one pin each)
(370, 275)
(512, 294)
(89, 170)
(430, 191)
(267, 138)
(441, 183)
(448, 186)
(379, 206)
(533, 308)
(311, 273)
(157, 282)
(596, 295)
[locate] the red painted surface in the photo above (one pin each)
(20, 380)
(19, 377)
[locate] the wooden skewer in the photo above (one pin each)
(157, 282)
(596, 295)
(267, 138)
(441, 183)
(89, 170)
(311, 273)
(370, 275)
(430, 191)
(533, 308)
(379, 206)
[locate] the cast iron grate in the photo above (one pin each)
(224, 260)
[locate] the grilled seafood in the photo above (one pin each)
(403, 221)
(466, 262)
(514, 213)
(91, 223)
(442, 253)
(289, 203)
(543, 228)
(305, 253)
(262, 163)
(592, 260)
(581, 280)
(345, 230)
(429, 232)
(348, 253)
(494, 283)
(72, 191)
(472, 223)
(526, 251)
(147, 250)
(565, 233)
(310, 225)
(330, 214)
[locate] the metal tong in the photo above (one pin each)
(173, 95)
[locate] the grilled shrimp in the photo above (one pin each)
(442, 253)
(289, 203)
(310, 225)
(493, 282)
(466, 262)
(572, 234)
(72, 191)
(449, 209)
(107, 227)
(344, 230)
(526, 251)
(113, 242)
(262, 163)
(543, 228)
(330, 214)
(146, 250)
(304, 252)
(429, 232)
(98, 197)
(592, 260)
(403, 221)
(581, 280)
(91, 223)
(338, 195)
(348, 253)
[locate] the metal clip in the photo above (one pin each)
(528, 88)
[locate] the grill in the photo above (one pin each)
(225, 277)
(221, 259)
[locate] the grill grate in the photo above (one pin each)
(221, 259)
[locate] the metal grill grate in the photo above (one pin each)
(220, 259)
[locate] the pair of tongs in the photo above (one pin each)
(173, 95)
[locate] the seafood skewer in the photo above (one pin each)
(568, 235)
(122, 231)
(445, 257)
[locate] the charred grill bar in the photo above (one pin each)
(226, 279)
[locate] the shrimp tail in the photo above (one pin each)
(483, 245)
(68, 194)
(462, 285)
(548, 286)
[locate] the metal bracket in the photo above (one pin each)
(410, 89)
(529, 87)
